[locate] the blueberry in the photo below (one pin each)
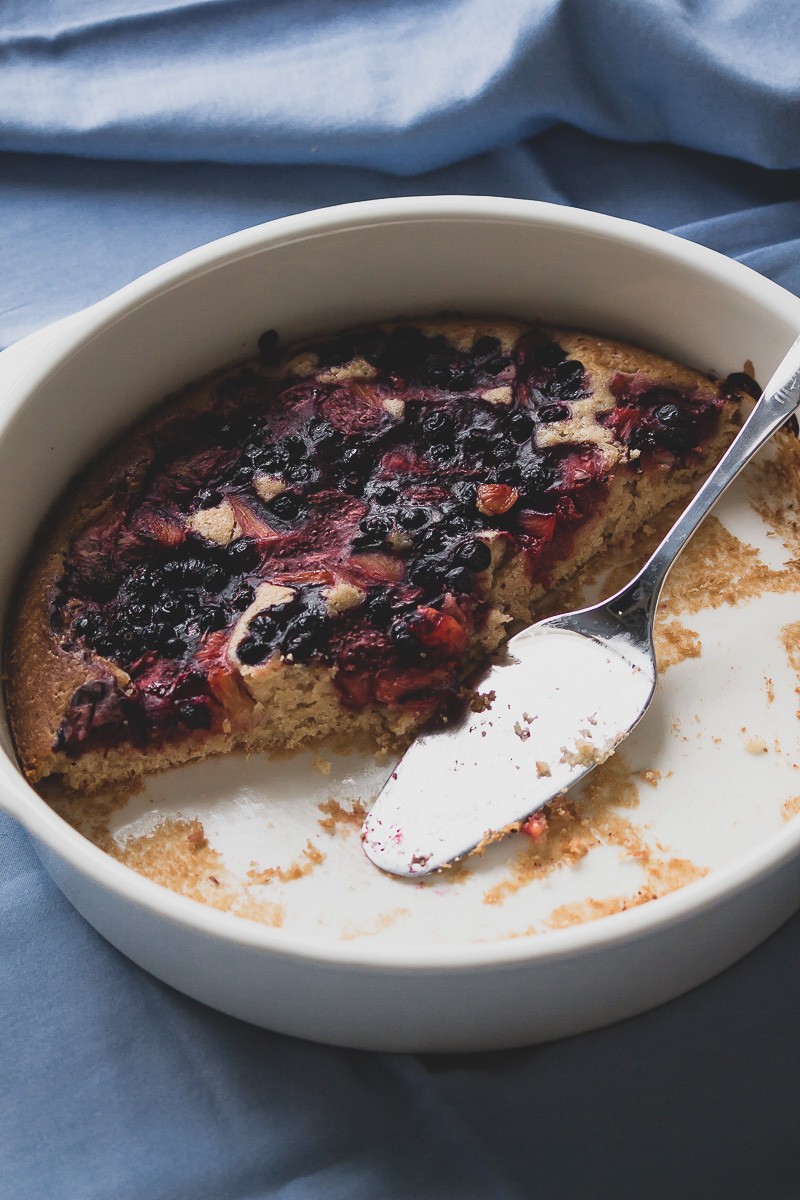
(520, 426)
(477, 442)
(300, 473)
(327, 440)
(379, 610)
(244, 554)
(425, 572)
(570, 371)
(272, 458)
(412, 518)
(304, 635)
(553, 412)
(213, 617)
(286, 507)
(476, 555)
(268, 347)
(486, 346)
(456, 524)
(465, 494)
(439, 426)
(374, 531)
(294, 449)
(263, 625)
(440, 451)
(460, 579)
(215, 577)
(503, 451)
(508, 473)
(432, 541)
(242, 598)
(194, 714)
(403, 638)
(675, 429)
(384, 494)
(671, 416)
(173, 647)
(87, 625)
(493, 366)
(537, 477)
(251, 651)
(209, 498)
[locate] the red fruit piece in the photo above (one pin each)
(494, 499)
(535, 826)
(354, 408)
(441, 634)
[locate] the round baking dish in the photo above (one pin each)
(71, 388)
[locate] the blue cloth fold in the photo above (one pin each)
(395, 85)
(680, 114)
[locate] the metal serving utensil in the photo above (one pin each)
(570, 690)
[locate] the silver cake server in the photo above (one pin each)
(569, 691)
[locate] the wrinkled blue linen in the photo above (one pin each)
(398, 85)
(682, 115)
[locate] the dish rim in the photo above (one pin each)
(23, 803)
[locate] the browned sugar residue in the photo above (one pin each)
(593, 818)
(790, 808)
(776, 488)
(309, 860)
(663, 876)
(381, 922)
(335, 815)
(770, 688)
(674, 643)
(572, 828)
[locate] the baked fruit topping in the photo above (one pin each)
(325, 540)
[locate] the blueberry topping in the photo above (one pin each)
(252, 651)
(552, 412)
(194, 714)
(209, 498)
(244, 553)
(384, 494)
(520, 426)
(476, 555)
(460, 579)
(439, 426)
(412, 518)
(286, 507)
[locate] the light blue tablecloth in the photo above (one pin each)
(130, 132)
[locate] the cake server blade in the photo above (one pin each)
(556, 707)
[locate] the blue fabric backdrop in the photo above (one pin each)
(131, 131)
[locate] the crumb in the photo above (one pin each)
(522, 734)
(756, 745)
(197, 838)
(323, 765)
(651, 777)
(480, 701)
(543, 770)
(790, 808)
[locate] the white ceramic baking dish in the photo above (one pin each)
(67, 390)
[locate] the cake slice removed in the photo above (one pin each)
(323, 541)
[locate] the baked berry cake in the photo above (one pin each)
(324, 540)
